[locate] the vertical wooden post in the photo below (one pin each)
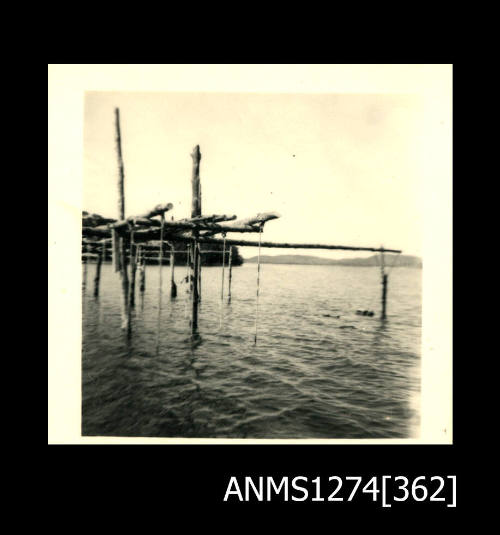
(384, 295)
(119, 240)
(230, 273)
(160, 260)
(133, 269)
(199, 272)
(195, 211)
(121, 172)
(85, 266)
(188, 266)
(223, 265)
(173, 287)
(115, 244)
(384, 285)
(97, 278)
(142, 271)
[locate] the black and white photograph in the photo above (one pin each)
(257, 265)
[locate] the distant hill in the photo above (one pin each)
(374, 260)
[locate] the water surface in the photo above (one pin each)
(311, 375)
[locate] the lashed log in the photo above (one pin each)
(159, 209)
(249, 224)
(99, 222)
(144, 219)
(173, 229)
(244, 243)
(95, 220)
(148, 235)
(210, 218)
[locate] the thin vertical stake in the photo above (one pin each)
(85, 267)
(384, 284)
(133, 268)
(173, 287)
(230, 273)
(258, 286)
(222, 283)
(101, 254)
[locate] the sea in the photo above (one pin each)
(299, 365)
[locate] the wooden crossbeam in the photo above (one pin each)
(244, 243)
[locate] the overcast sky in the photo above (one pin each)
(341, 169)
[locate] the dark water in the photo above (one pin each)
(309, 376)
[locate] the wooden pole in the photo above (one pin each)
(188, 265)
(384, 295)
(173, 287)
(142, 268)
(223, 265)
(199, 272)
(98, 270)
(246, 243)
(384, 286)
(230, 274)
(147, 235)
(195, 211)
(133, 269)
(258, 291)
(85, 267)
(160, 260)
(115, 251)
(121, 173)
(119, 240)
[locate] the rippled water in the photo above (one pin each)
(311, 375)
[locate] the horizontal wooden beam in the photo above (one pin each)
(209, 218)
(144, 236)
(144, 219)
(244, 243)
(249, 224)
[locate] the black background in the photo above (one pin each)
(178, 486)
(126, 483)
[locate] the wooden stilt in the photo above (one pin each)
(133, 269)
(230, 274)
(188, 266)
(160, 259)
(115, 251)
(97, 278)
(199, 272)
(173, 286)
(195, 211)
(223, 266)
(384, 295)
(119, 240)
(142, 271)
(85, 267)
(384, 285)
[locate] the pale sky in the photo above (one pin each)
(340, 169)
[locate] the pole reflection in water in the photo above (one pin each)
(307, 378)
